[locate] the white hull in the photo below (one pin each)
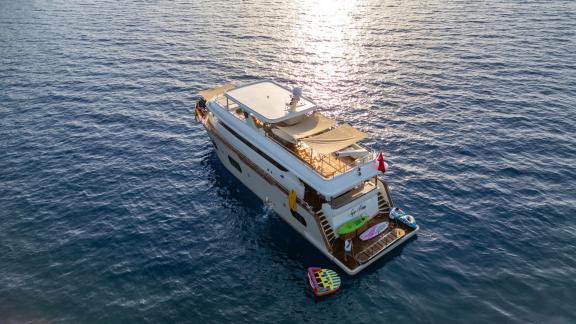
(315, 176)
(277, 197)
(268, 193)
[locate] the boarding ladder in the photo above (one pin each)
(327, 231)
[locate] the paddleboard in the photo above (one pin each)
(374, 231)
(352, 225)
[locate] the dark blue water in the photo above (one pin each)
(115, 209)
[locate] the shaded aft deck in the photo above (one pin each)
(327, 165)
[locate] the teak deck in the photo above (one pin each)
(328, 166)
(363, 251)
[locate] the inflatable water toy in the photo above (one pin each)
(399, 214)
(374, 231)
(323, 281)
(396, 213)
(352, 225)
(408, 220)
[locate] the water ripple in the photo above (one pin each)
(115, 208)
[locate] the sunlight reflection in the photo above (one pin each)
(326, 28)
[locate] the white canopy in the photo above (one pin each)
(211, 93)
(311, 125)
(334, 140)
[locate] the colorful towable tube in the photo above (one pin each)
(323, 281)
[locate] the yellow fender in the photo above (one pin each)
(292, 200)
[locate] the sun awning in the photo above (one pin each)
(211, 93)
(309, 126)
(334, 140)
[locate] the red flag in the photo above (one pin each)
(381, 165)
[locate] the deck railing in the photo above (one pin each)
(338, 165)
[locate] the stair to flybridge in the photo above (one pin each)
(383, 205)
(327, 230)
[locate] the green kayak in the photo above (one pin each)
(352, 225)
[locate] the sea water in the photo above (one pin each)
(114, 207)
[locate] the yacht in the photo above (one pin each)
(312, 170)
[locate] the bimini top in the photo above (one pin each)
(334, 140)
(269, 101)
(211, 93)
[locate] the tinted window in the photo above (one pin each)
(300, 218)
(234, 164)
(255, 149)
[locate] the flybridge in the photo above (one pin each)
(290, 120)
(269, 101)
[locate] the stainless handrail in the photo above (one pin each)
(338, 170)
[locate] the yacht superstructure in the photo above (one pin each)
(309, 168)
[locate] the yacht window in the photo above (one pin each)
(352, 194)
(299, 218)
(255, 149)
(234, 163)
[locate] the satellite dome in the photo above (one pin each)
(297, 92)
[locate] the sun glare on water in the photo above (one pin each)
(323, 30)
(326, 27)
